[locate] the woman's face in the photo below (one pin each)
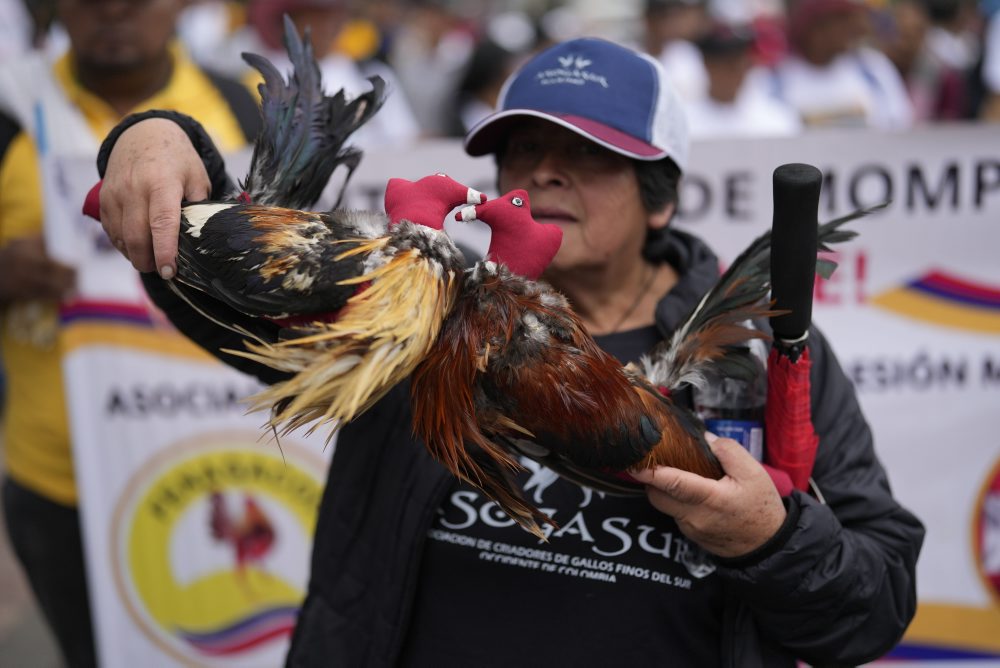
(591, 193)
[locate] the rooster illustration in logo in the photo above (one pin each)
(251, 536)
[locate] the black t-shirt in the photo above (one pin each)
(617, 584)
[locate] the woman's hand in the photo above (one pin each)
(730, 517)
(152, 168)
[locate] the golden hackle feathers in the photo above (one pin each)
(341, 368)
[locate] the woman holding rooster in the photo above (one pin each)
(412, 567)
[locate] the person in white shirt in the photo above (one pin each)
(671, 28)
(429, 54)
(831, 78)
(395, 122)
(16, 29)
(738, 100)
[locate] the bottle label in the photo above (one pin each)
(748, 433)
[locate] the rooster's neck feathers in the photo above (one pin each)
(436, 246)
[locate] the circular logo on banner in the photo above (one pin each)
(211, 547)
(986, 533)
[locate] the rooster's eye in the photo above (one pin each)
(517, 201)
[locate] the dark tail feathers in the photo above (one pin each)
(302, 139)
(719, 321)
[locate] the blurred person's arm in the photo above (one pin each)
(27, 273)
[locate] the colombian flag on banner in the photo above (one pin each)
(944, 298)
(132, 325)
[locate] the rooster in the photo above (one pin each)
(251, 538)
(360, 294)
(345, 302)
(515, 373)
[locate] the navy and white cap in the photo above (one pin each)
(612, 95)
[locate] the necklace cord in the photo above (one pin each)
(638, 299)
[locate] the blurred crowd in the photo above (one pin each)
(744, 67)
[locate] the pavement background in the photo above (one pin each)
(25, 640)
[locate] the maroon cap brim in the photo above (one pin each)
(486, 137)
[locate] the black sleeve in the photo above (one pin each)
(222, 185)
(839, 584)
(214, 338)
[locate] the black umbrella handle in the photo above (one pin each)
(793, 252)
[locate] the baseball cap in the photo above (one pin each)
(726, 38)
(610, 94)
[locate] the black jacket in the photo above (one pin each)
(835, 586)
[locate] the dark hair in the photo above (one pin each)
(943, 11)
(658, 187)
(658, 181)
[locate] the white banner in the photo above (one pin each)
(197, 523)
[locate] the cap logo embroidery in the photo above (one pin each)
(574, 61)
(572, 70)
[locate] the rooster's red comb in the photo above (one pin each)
(427, 201)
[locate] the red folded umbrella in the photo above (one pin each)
(790, 439)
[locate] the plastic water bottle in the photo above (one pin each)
(734, 408)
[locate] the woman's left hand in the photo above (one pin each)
(730, 517)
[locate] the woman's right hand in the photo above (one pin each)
(152, 168)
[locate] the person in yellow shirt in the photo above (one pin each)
(122, 59)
